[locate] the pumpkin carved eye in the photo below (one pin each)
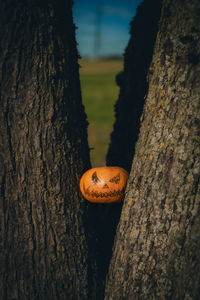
(104, 184)
(94, 178)
(115, 179)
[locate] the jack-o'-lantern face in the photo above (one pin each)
(104, 184)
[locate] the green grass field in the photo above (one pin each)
(99, 94)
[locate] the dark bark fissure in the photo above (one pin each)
(133, 84)
(104, 218)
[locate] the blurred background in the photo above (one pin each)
(102, 34)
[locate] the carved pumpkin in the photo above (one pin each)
(104, 184)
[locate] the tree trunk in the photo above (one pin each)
(43, 138)
(157, 246)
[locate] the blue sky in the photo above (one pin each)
(103, 25)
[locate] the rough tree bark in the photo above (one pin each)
(44, 151)
(157, 246)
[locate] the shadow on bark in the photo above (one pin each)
(102, 221)
(133, 84)
(103, 218)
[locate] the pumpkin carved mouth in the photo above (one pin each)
(104, 184)
(101, 194)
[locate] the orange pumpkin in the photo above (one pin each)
(104, 184)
